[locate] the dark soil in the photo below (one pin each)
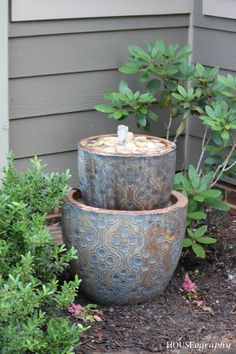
(147, 328)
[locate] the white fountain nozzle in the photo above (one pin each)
(123, 134)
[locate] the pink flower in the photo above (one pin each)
(199, 303)
(188, 285)
(75, 310)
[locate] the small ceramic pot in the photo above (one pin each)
(125, 181)
(124, 256)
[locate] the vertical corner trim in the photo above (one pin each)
(4, 110)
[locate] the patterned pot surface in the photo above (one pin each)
(125, 182)
(124, 256)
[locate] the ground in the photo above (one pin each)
(147, 328)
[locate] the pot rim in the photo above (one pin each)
(180, 201)
(83, 144)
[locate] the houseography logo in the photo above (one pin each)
(198, 346)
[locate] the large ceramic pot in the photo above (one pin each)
(125, 181)
(124, 256)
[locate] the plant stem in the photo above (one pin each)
(165, 125)
(230, 166)
(178, 134)
(203, 149)
(169, 126)
(223, 167)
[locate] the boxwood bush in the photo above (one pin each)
(31, 299)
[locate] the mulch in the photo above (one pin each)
(149, 327)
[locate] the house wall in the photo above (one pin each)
(214, 44)
(58, 72)
(4, 128)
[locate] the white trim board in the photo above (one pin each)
(4, 116)
(219, 8)
(30, 10)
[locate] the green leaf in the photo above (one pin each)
(153, 116)
(233, 124)
(199, 198)
(228, 94)
(211, 161)
(178, 178)
(200, 69)
(170, 85)
(200, 231)
(171, 70)
(198, 250)
(146, 98)
(139, 53)
(193, 177)
(206, 119)
(219, 205)
(207, 240)
(149, 46)
(172, 48)
(164, 99)
(144, 78)
(187, 242)
(187, 185)
(190, 93)
(211, 193)
(158, 49)
(198, 94)
(184, 52)
(210, 112)
(180, 129)
(177, 96)
(190, 232)
(125, 90)
(225, 135)
(205, 181)
(182, 91)
(141, 119)
(153, 86)
(136, 95)
(116, 98)
(222, 80)
(214, 71)
(129, 68)
(117, 114)
(213, 150)
(104, 108)
(197, 215)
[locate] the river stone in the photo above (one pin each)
(136, 144)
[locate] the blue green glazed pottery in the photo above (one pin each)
(124, 256)
(125, 181)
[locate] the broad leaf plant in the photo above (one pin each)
(188, 91)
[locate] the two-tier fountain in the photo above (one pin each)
(125, 222)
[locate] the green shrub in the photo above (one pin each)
(185, 90)
(200, 197)
(31, 299)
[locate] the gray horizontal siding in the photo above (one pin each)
(44, 95)
(215, 48)
(36, 28)
(55, 163)
(193, 150)
(216, 23)
(60, 54)
(60, 133)
(59, 70)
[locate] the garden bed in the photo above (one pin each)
(148, 327)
